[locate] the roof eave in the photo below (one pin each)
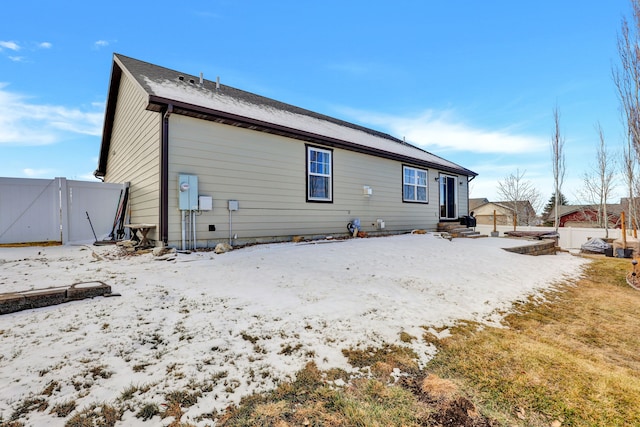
(110, 111)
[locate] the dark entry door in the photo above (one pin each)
(448, 197)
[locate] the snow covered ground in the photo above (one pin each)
(239, 322)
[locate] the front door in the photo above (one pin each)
(448, 197)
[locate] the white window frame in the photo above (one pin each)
(415, 184)
(324, 174)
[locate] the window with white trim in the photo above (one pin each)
(414, 188)
(319, 174)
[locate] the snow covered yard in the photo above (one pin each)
(232, 324)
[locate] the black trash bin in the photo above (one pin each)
(624, 253)
(468, 221)
(471, 221)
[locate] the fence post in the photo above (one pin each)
(623, 231)
(63, 212)
(494, 221)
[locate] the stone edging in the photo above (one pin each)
(36, 298)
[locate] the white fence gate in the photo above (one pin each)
(55, 210)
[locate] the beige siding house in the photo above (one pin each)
(287, 171)
(485, 210)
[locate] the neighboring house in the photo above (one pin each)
(484, 211)
(475, 203)
(268, 171)
(586, 216)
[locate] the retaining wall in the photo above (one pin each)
(544, 247)
(17, 301)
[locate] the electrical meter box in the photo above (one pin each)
(187, 192)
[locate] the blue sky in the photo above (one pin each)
(473, 82)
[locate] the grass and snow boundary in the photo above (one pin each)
(225, 326)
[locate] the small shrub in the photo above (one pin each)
(140, 367)
(95, 415)
(29, 405)
(148, 411)
(63, 409)
(288, 349)
(183, 398)
(245, 336)
(128, 393)
(50, 388)
(100, 372)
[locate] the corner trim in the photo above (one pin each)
(164, 175)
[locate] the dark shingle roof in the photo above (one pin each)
(210, 100)
(140, 70)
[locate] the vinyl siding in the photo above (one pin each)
(267, 175)
(463, 196)
(134, 153)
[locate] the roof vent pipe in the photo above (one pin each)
(201, 79)
(218, 82)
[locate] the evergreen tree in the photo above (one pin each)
(548, 208)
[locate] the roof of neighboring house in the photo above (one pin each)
(518, 203)
(504, 205)
(476, 203)
(563, 210)
(209, 100)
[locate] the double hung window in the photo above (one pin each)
(319, 174)
(414, 188)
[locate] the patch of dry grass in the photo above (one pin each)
(572, 360)
(95, 416)
(64, 409)
(374, 400)
(402, 358)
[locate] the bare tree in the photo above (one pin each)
(519, 194)
(557, 158)
(630, 179)
(626, 77)
(599, 183)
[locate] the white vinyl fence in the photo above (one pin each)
(570, 237)
(55, 210)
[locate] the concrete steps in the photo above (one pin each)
(456, 230)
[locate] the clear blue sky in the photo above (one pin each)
(474, 82)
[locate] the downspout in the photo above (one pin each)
(164, 177)
(469, 179)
